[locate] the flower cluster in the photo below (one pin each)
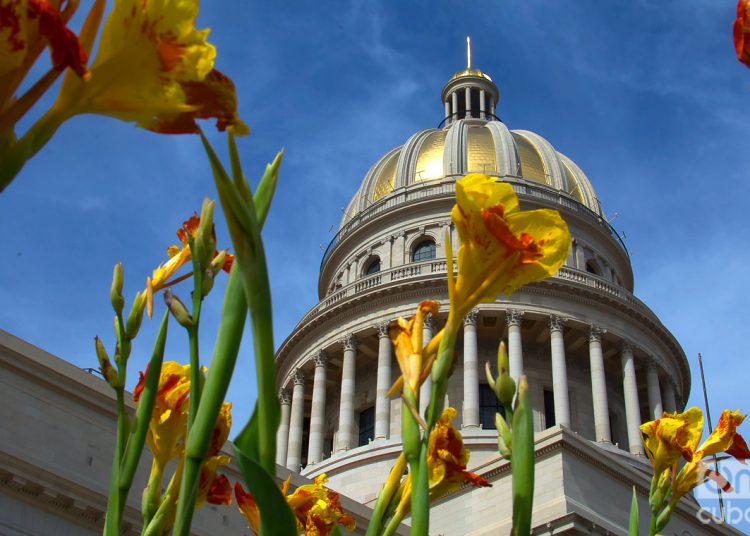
(446, 463)
(677, 436)
(317, 508)
(168, 428)
(180, 255)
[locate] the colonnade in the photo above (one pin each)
(661, 391)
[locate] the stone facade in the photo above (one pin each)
(58, 425)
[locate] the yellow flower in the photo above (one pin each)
(406, 336)
(155, 68)
(317, 509)
(672, 436)
(502, 248)
(212, 487)
(166, 431)
(446, 463)
(724, 438)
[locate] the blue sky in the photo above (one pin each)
(647, 97)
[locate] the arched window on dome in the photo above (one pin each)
(424, 251)
(373, 267)
(593, 267)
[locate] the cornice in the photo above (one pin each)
(434, 286)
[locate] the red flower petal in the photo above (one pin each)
(64, 46)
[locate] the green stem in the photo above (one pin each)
(196, 378)
(20, 152)
(151, 494)
(420, 494)
(386, 496)
(393, 524)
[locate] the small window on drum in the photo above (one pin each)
(424, 251)
(373, 267)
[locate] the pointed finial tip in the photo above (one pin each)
(468, 53)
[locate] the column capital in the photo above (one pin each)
(298, 378)
(382, 330)
(653, 364)
(284, 397)
(513, 317)
(320, 359)
(626, 347)
(428, 321)
(471, 317)
(350, 342)
(595, 333)
(556, 323)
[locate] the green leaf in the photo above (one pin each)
(276, 517)
(633, 525)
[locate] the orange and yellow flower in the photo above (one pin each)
(317, 508)
(741, 31)
(166, 430)
(446, 463)
(212, 487)
(406, 336)
(671, 437)
(178, 257)
(678, 434)
(502, 247)
(155, 68)
(724, 438)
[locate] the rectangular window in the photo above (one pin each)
(549, 408)
(488, 406)
(366, 425)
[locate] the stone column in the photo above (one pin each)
(492, 106)
(468, 102)
(282, 435)
(654, 392)
(346, 405)
(599, 386)
(454, 98)
(426, 389)
(296, 422)
(447, 109)
(669, 401)
(382, 402)
(471, 371)
(318, 410)
(386, 260)
(513, 319)
(559, 371)
(632, 404)
(482, 103)
(353, 272)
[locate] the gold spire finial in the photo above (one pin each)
(468, 53)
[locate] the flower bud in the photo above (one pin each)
(115, 291)
(105, 366)
(504, 436)
(207, 282)
(178, 309)
(204, 245)
(505, 386)
(217, 264)
(135, 317)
